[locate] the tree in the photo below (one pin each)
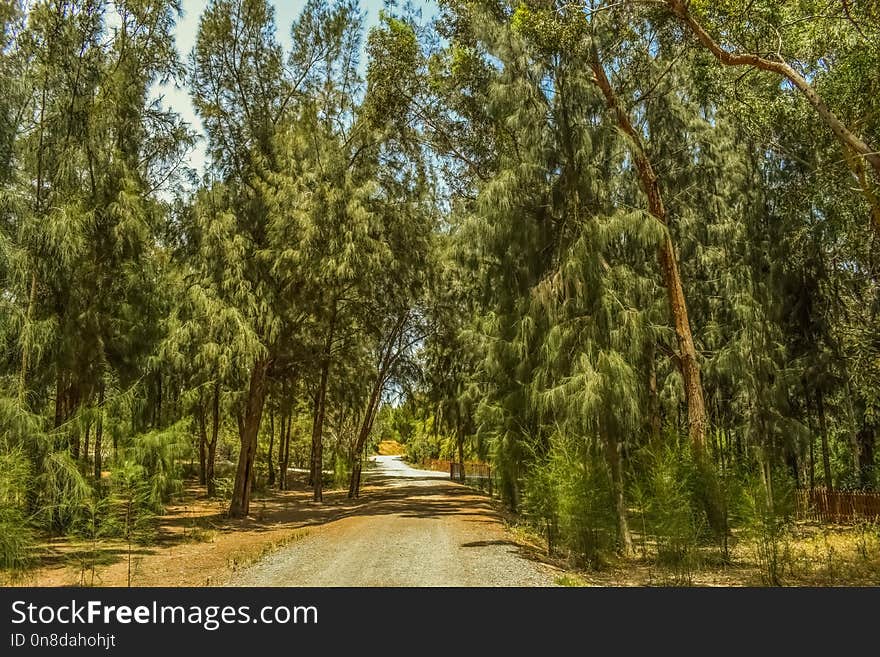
(239, 91)
(777, 35)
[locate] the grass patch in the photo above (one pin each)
(570, 580)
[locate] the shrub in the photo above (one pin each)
(671, 518)
(568, 495)
(764, 510)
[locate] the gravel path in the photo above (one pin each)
(412, 528)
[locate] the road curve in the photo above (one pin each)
(412, 528)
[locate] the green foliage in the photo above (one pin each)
(16, 532)
(95, 523)
(424, 443)
(62, 492)
(670, 517)
(569, 496)
(764, 509)
(132, 507)
(156, 458)
(16, 543)
(541, 503)
(455, 246)
(131, 503)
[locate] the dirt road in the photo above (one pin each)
(413, 528)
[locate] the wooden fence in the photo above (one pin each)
(471, 471)
(439, 465)
(479, 474)
(475, 474)
(838, 506)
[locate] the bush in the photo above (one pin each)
(764, 509)
(62, 492)
(16, 543)
(671, 519)
(16, 535)
(157, 456)
(423, 445)
(568, 495)
(341, 473)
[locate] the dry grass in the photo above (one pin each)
(811, 555)
(833, 555)
(391, 448)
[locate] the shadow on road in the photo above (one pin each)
(397, 490)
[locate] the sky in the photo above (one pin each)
(286, 11)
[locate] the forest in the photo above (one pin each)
(627, 253)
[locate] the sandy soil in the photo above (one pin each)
(413, 528)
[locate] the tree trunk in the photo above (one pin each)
(723, 446)
(284, 458)
(459, 439)
(38, 210)
(766, 478)
(320, 411)
(85, 451)
(654, 422)
(811, 446)
(624, 539)
(75, 438)
(282, 484)
(823, 430)
(812, 474)
(203, 441)
(32, 300)
(212, 444)
(386, 359)
(791, 461)
(354, 485)
(99, 431)
(315, 406)
(317, 464)
(687, 354)
(866, 438)
(271, 480)
(239, 506)
(287, 447)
